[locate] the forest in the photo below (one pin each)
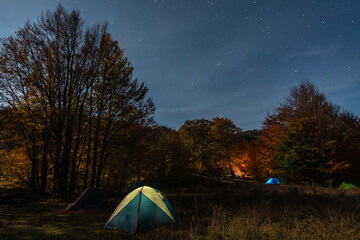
(73, 116)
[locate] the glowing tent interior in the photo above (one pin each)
(143, 209)
(272, 181)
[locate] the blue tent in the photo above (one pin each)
(141, 210)
(272, 181)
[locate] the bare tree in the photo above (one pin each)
(51, 71)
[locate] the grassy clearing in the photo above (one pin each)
(207, 211)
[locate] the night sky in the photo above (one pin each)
(225, 58)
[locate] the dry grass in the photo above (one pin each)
(207, 211)
(263, 224)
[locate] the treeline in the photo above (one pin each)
(307, 139)
(72, 116)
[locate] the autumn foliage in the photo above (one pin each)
(310, 139)
(212, 144)
(68, 90)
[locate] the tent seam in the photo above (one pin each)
(138, 211)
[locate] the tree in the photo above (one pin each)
(298, 157)
(212, 143)
(119, 101)
(226, 140)
(46, 71)
(63, 76)
(171, 158)
(127, 156)
(196, 136)
(305, 136)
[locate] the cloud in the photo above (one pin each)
(184, 109)
(320, 51)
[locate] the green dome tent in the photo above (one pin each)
(141, 210)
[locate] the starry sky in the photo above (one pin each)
(227, 58)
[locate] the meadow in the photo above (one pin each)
(207, 210)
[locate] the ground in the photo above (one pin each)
(207, 210)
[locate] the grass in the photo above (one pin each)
(240, 210)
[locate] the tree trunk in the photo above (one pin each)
(231, 170)
(100, 169)
(44, 163)
(56, 180)
(89, 141)
(102, 158)
(95, 154)
(34, 162)
(74, 158)
(65, 161)
(87, 158)
(95, 150)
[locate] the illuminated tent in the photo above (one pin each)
(91, 200)
(141, 210)
(272, 181)
(347, 185)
